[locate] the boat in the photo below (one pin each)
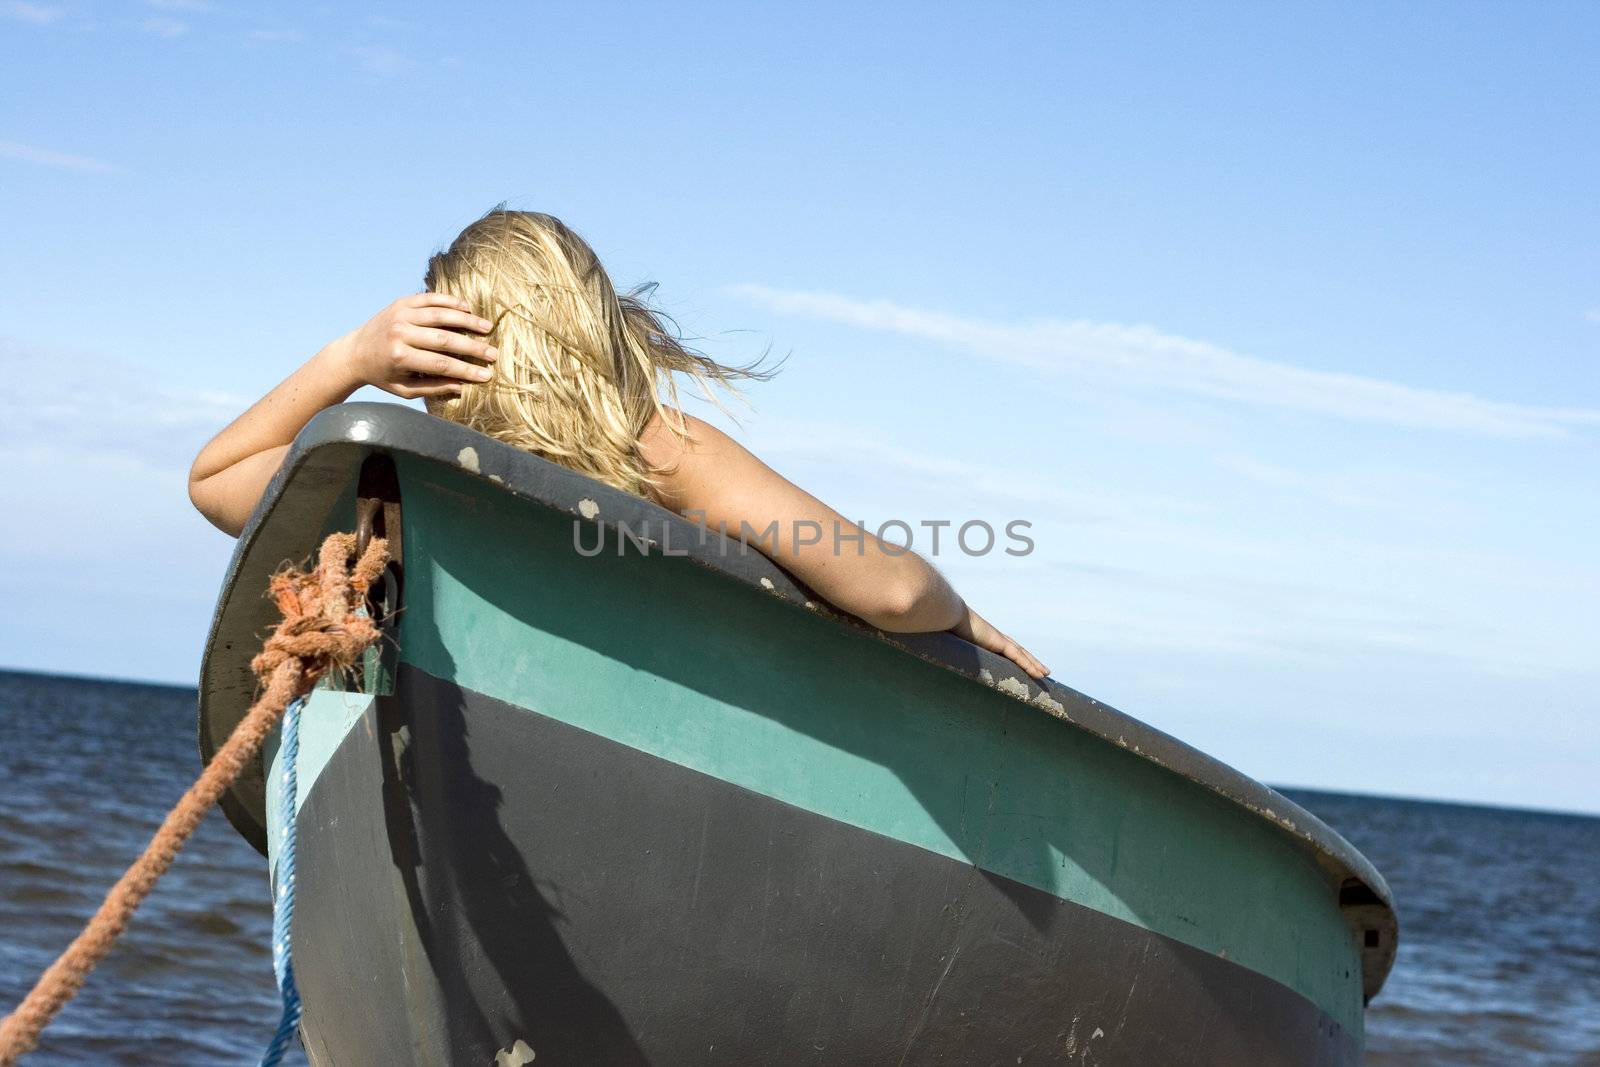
(616, 789)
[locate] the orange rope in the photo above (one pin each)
(322, 630)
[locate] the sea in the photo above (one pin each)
(1499, 960)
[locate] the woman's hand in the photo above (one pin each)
(978, 630)
(418, 346)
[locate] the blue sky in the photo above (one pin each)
(1281, 324)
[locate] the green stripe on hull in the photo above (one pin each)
(696, 668)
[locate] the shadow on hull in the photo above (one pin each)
(531, 881)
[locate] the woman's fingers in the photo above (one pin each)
(450, 318)
(423, 300)
(981, 632)
(1033, 666)
(1031, 663)
(434, 365)
(1022, 659)
(431, 340)
(1019, 655)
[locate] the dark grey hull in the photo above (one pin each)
(530, 881)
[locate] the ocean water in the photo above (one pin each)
(87, 772)
(1500, 910)
(1499, 960)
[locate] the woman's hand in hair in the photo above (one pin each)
(419, 345)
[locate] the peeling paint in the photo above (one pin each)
(985, 675)
(468, 458)
(515, 1056)
(823, 608)
(588, 508)
(1271, 816)
(1050, 703)
(497, 478)
(766, 583)
(1014, 688)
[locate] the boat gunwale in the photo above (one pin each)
(322, 463)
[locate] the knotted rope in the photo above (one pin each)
(323, 630)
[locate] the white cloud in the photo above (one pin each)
(48, 158)
(35, 14)
(107, 408)
(1146, 358)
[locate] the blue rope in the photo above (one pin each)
(283, 897)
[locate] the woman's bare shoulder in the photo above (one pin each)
(675, 439)
(681, 451)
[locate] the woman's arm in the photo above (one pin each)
(411, 348)
(718, 481)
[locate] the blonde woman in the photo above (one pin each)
(522, 336)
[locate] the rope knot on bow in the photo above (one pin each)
(323, 626)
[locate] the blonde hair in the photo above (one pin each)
(581, 369)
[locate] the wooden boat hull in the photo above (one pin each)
(608, 906)
(639, 807)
